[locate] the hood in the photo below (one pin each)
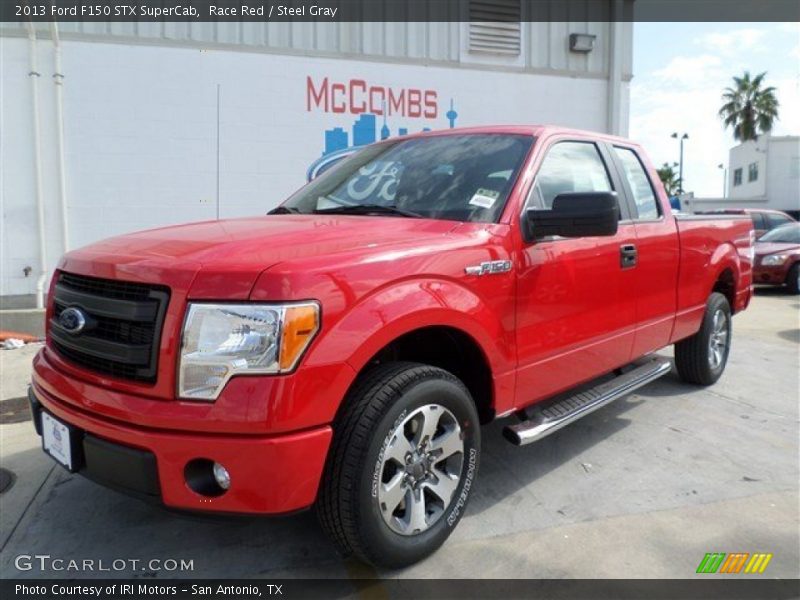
(230, 254)
(765, 248)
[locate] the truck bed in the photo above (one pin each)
(711, 242)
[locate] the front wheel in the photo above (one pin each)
(402, 462)
(701, 359)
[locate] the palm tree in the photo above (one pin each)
(748, 108)
(669, 178)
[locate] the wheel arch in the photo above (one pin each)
(434, 322)
(448, 348)
(726, 266)
(725, 284)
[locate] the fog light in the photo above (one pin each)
(206, 477)
(222, 476)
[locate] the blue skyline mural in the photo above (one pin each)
(365, 131)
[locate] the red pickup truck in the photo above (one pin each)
(343, 350)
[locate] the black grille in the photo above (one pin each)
(122, 290)
(122, 327)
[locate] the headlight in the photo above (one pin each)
(223, 340)
(774, 260)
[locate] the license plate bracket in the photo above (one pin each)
(61, 442)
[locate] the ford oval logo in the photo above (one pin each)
(72, 320)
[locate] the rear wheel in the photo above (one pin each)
(793, 279)
(701, 359)
(402, 462)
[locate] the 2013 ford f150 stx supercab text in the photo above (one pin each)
(343, 350)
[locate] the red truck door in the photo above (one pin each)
(575, 306)
(657, 252)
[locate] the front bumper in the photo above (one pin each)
(774, 275)
(269, 474)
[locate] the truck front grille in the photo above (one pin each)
(122, 325)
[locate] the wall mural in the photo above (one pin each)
(381, 112)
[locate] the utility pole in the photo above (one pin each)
(682, 137)
(724, 179)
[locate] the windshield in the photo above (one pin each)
(785, 234)
(453, 177)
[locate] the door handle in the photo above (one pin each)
(628, 255)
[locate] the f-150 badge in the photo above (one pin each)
(491, 267)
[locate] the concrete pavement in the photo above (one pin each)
(642, 488)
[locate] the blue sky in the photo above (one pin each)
(680, 71)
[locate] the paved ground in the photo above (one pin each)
(642, 488)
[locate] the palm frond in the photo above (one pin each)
(748, 108)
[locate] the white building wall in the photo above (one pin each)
(783, 173)
(778, 183)
(777, 186)
(141, 124)
(741, 157)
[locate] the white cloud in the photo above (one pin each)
(662, 111)
(788, 92)
(689, 70)
(790, 28)
(732, 41)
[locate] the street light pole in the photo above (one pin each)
(685, 136)
(724, 179)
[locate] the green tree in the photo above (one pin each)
(669, 178)
(748, 108)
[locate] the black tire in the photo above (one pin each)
(348, 506)
(693, 356)
(793, 279)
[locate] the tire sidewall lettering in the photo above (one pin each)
(458, 506)
(376, 474)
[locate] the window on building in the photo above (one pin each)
(639, 182)
(737, 177)
(752, 172)
(494, 26)
(569, 167)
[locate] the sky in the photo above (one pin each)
(680, 72)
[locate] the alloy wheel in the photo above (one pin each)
(421, 469)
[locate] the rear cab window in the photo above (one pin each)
(641, 188)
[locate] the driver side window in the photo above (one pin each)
(569, 167)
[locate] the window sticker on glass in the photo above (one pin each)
(484, 198)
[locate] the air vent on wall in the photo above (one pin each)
(494, 26)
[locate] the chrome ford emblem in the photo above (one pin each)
(72, 320)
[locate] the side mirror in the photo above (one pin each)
(579, 214)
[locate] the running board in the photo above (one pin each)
(552, 417)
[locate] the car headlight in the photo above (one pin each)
(774, 260)
(223, 340)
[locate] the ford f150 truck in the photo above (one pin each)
(343, 350)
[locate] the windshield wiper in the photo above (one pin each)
(284, 210)
(366, 209)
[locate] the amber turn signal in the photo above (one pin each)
(300, 325)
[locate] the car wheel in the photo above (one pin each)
(701, 358)
(403, 459)
(793, 279)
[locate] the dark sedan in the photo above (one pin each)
(778, 257)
